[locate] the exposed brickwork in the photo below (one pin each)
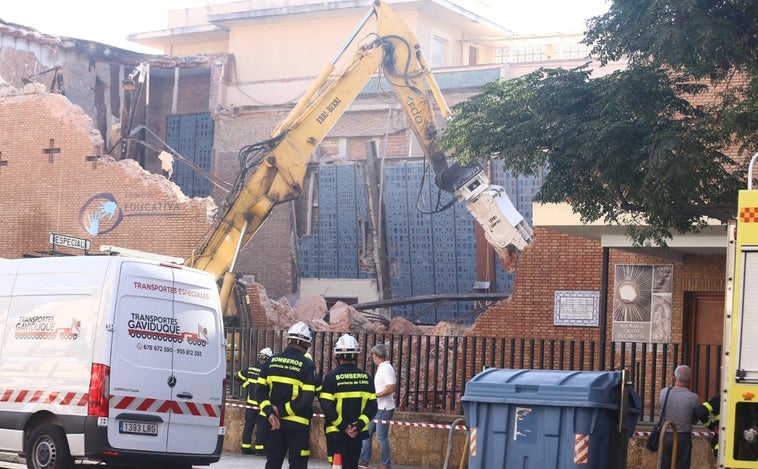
(329, 150)
(558, 261)
(257, 294)
(271, 255)
(38, 197)
(357, 148)
(395, 145)
(554, 262)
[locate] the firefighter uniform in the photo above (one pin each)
(709, 413)
(249, 379)
(286, 388)
(347, 398)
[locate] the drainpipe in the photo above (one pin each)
(604, 306)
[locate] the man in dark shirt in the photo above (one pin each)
(248, 378)
(348, 400)
(286, 388)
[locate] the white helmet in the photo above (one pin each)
(346, 345)
(300, 331)
(265, 354)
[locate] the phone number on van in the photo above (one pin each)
(168, 349)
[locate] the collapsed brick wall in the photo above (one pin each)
(87, 82)
(555, 261)
(51, 180)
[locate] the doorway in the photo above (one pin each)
(705, 325)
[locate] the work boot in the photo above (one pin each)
(362, 465)
(247, 451)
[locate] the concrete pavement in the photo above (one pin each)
(229, 460)
(232, 460)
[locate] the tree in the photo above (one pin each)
(633, 147)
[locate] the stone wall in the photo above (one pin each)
(428, 445)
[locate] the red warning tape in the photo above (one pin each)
(444, 426)
(693, 433)
(387, 422)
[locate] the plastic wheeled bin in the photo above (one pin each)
(549, 419)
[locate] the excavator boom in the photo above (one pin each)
(281, 161)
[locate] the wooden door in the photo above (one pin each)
(706, 325)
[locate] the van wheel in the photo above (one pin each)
(47, 449)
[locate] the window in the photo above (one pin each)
(439, 52)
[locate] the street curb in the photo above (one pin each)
(12, 457)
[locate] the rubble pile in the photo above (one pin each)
(279, 314)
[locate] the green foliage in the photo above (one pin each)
(630, 147)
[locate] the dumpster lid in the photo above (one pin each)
(545, 387)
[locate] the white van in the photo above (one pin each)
(111, 359)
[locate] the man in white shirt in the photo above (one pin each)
(385, 382)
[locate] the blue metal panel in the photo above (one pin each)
(426, 250)
(427, 253)
(307, 255)
(335, 248)
(521, 190)
(327, 221)
(396, 206)
(191, 135)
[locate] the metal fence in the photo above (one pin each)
(433, 370)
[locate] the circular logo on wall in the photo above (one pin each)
(100, 214)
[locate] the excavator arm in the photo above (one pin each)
(280, 163)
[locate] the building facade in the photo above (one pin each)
(232, 74)
(271, 69)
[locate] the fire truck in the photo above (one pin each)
(738, 428)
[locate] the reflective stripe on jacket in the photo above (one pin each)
(288, 382)
(347, 396)
(249, 379)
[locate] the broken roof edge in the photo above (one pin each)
(103, 51)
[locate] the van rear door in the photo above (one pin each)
(167, 364)
(199, 365)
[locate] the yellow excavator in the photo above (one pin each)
(278, 164)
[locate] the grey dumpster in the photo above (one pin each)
(548, 419)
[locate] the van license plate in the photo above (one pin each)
(138, 428)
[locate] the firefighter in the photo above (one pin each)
(249, 379)
(348, 400)
(286, 388)
(709, 414)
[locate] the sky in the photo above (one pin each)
(548, 16)
(110, 22)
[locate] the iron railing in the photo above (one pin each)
(433, 370)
